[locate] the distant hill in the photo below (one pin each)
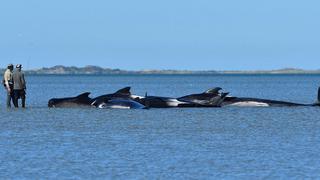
(96, 70)
(76, 70)
(278, 71)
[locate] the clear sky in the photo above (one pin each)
(163, 34)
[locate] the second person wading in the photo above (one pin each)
(19, 86)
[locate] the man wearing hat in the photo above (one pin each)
(19, 86)
(8, 84)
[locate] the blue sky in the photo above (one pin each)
(166, 34)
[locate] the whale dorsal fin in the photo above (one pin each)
(319, 95)
(125, 91)
(84, 95)
(213, 90)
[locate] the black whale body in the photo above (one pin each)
(248, 101)
(209, 98)
(119, 99)
(124, 99)
(81, 100)
(123, 93)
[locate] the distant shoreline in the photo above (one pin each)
(96, 70)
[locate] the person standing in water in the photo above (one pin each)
(8, 84)
(19, 86)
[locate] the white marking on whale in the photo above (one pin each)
(249, 104)
(136, 96)
(106, 106)
(92, 104)
(174, 102)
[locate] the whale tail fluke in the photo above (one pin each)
(317, 103)
(319, 95)
(318, 99)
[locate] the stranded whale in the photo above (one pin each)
(120, 99)
(78, 101)
(257, 102)
(123, 93)
(210, 98)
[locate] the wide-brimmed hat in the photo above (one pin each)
(18, 66)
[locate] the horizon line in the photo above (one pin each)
(170, 69)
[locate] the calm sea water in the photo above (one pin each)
(229, 142)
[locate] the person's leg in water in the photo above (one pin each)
(16, 96)
(8, 99)
(23, 98)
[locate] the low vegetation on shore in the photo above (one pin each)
(96, 70)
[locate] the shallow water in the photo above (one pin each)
(202, 143)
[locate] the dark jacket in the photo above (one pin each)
(19, 82)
